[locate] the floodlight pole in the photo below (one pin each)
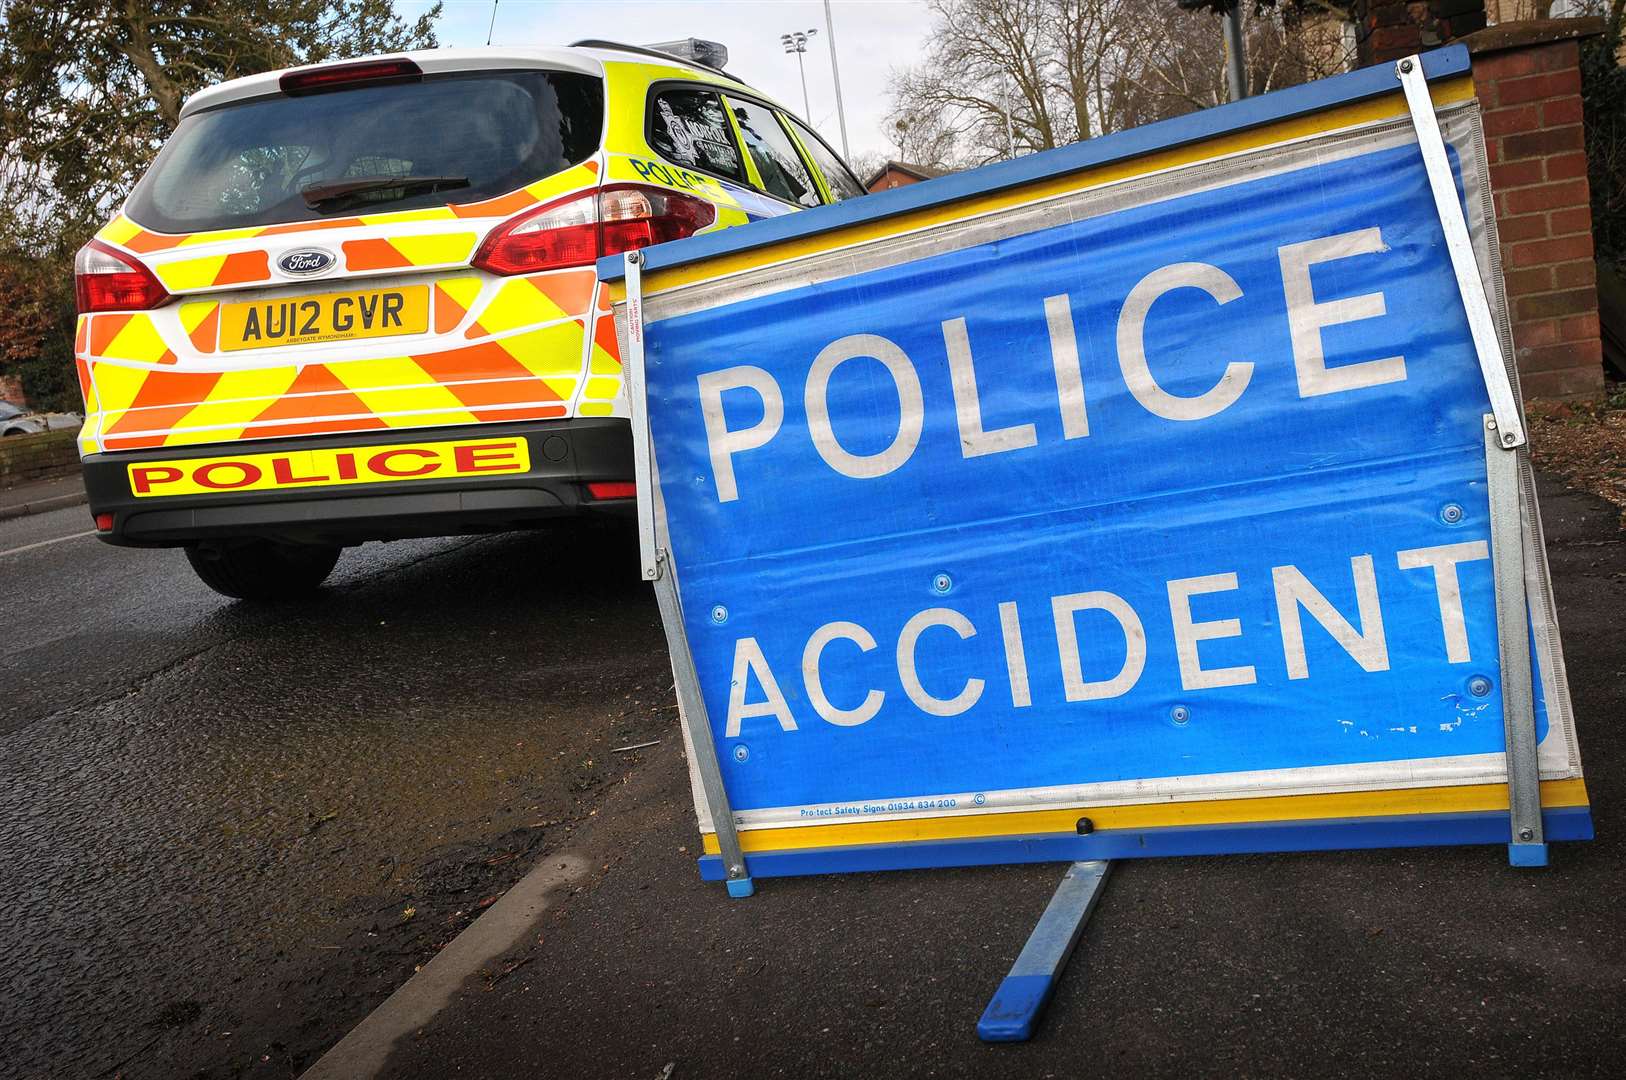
(1236, 61)
(797, 43)
(835, 73)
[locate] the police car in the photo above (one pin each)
(356, 301)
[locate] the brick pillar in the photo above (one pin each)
(11, 389)
(1528, 80)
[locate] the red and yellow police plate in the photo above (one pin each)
(329, 467)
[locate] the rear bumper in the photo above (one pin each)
(565, 456)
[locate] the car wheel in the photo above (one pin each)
(262, 569)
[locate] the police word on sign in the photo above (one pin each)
(1305, 317)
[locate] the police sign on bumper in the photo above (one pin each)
(1140, 497)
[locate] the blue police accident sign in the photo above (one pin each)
(1161, 500)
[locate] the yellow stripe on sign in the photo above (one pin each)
(435, 248)
(321, 467)
(1464, 799)
(1390, 106)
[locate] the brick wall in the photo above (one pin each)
(1529, 88)
(11, 389)
(26, 458)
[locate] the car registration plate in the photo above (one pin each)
(342, 316)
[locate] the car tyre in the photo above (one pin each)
(262, 569)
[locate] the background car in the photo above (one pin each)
(15, 420)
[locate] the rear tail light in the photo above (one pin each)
(577, 230)
(613, 489)
(338, 76)
(106, 280)
(104, 522)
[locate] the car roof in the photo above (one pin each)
(587, 60)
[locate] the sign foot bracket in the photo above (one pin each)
(1020, 1000)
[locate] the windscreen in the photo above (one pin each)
(448, 139)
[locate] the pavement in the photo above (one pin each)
(41, 496)
(229, 834)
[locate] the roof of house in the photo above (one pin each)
(919, 172)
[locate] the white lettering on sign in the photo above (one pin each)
(1188, 633)
(748, 661)
(923, 699)
(1132, 343)
(1058, 317)
(811, 655)
(1365, 641)
(1065, 608)
(1016, 659)
(1294, 591)
(1443, 561)
(722, 442)
(911, 406)
(974, 441)
(1305, 316)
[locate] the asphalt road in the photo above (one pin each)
(228, 833)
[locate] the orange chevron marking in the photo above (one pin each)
(527, 412)
(326, 397)
(204, 335)
(571, 290)
(501, 206)
(448, 312)
(164, 398)
(310, 226)
(453, 367)
(604, 338)
(244, 266)
(103, 329)
(80, 334)
(145, 242)
(372, 255)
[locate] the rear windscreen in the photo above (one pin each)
(450, 139)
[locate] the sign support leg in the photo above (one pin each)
(656, 568)
(1528, 846)
(1442, 183)
(1020, 1000)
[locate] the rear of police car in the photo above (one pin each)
(356, 301)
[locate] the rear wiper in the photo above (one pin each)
(318, 195)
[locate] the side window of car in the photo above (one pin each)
(783, 173)
(690, 128)
(840, 181)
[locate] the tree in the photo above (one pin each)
(89, 91)
(1004, 76)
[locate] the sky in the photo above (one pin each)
(872, 37)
